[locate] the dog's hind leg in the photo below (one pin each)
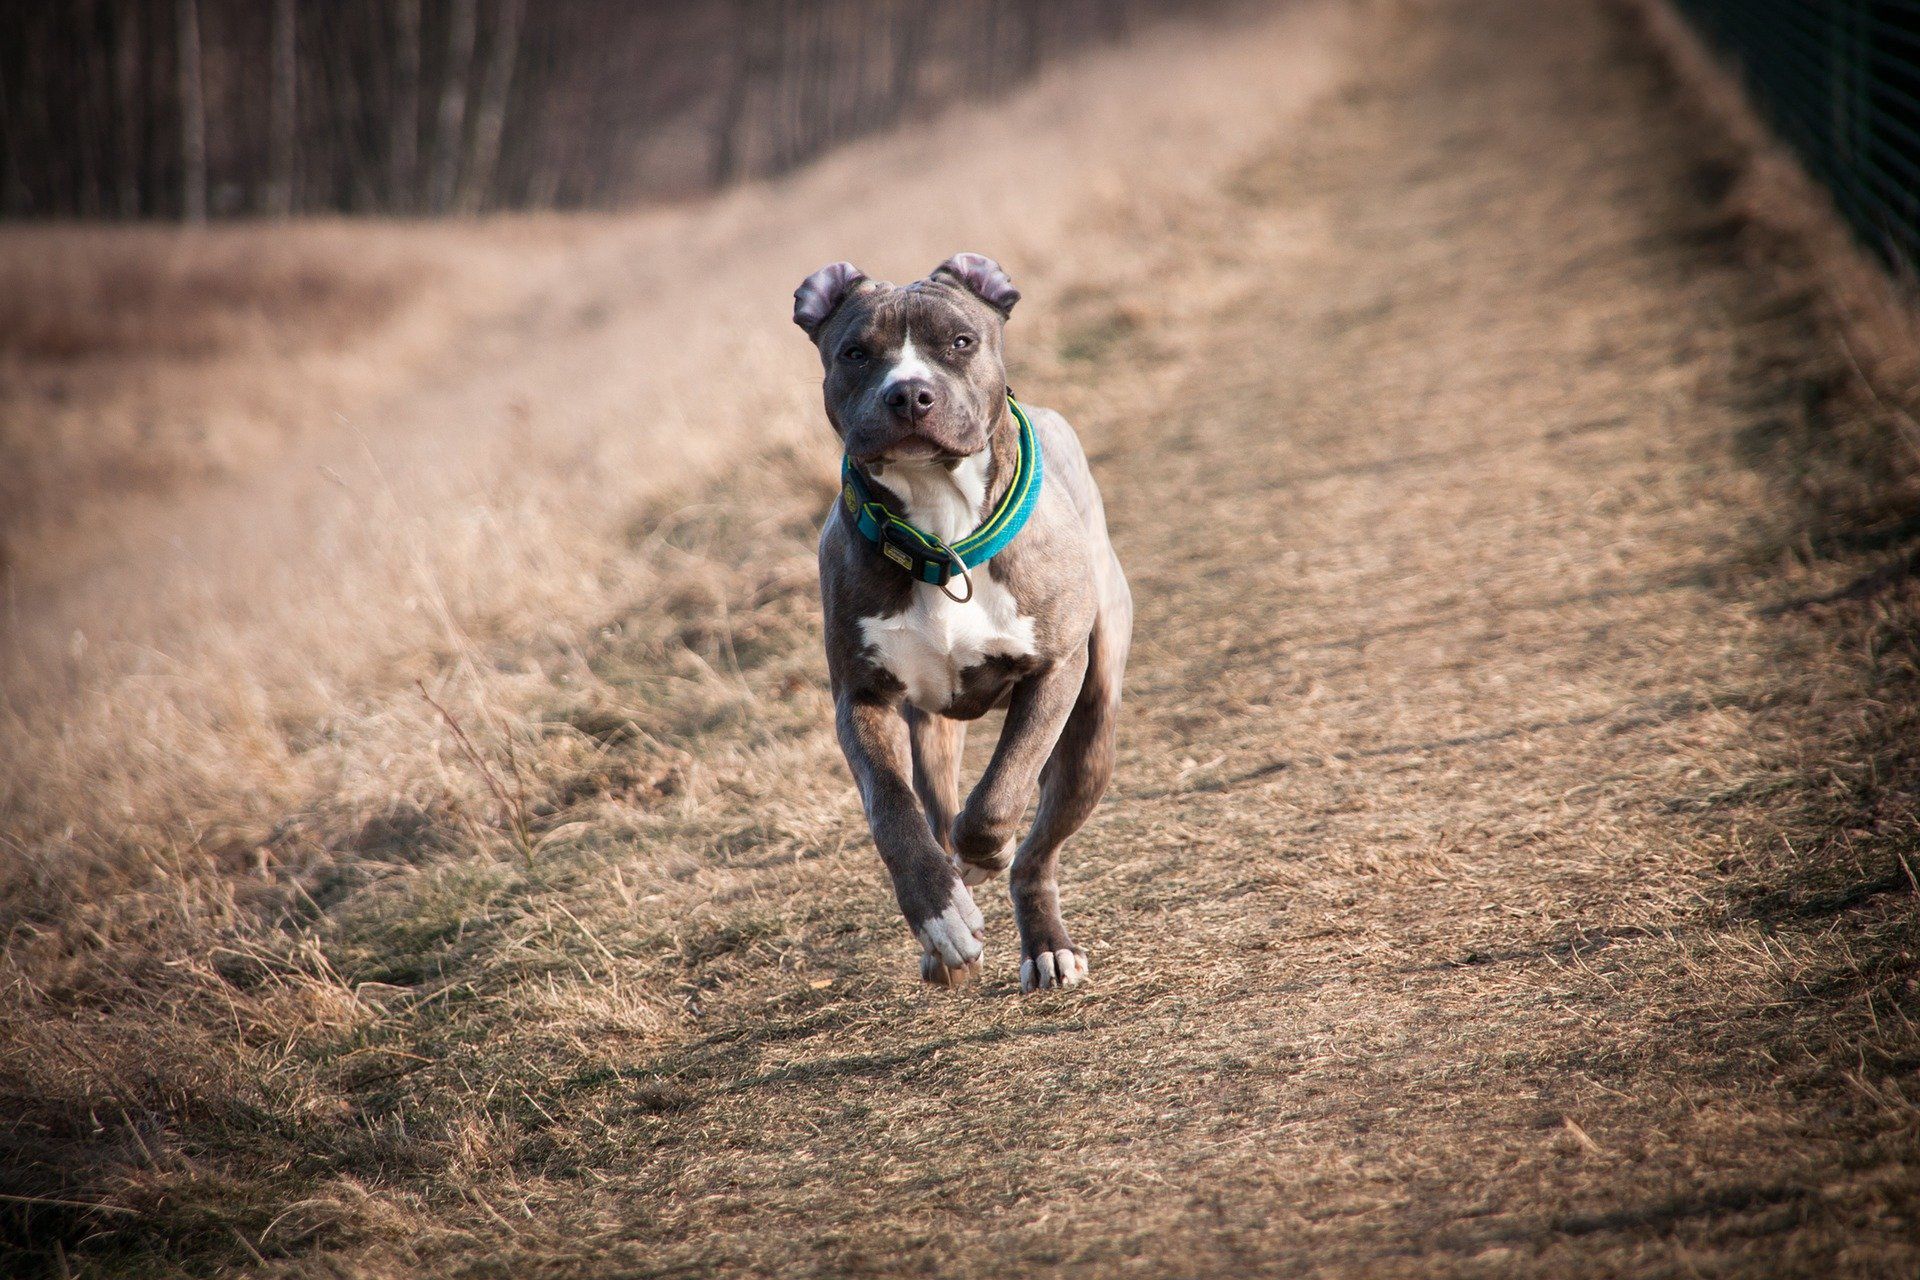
(937, 744)
(1076, 776)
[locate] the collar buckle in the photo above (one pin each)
(925, 557)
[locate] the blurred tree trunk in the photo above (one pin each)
(856, 36)
(93, 107)
(1026, 59)
(129, 108)
(985, 53)
(491, 121)
(14, 196)
(860, 110)
(909, 39)
(816, 97)
(779, 123)
(30, 120)
(403, 126)
(193, 113)
(450, 135)
(542, 158)
(282, 107)
(728, 145)
(360, 178)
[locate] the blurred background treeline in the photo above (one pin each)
(192, 109)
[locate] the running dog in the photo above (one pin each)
(966, 566)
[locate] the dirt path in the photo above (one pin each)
(1510, 867)
(1439, 919)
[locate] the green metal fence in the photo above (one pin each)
(1840, 82)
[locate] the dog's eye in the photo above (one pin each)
(962, 342)
(854, 355)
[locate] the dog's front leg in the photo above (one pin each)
(983, 834)
(938, 907)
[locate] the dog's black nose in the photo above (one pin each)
(911, 399)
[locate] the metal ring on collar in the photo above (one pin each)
(961, 571)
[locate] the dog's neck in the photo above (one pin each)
(951, 499)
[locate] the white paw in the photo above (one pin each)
(1063, 968)
(954, 936)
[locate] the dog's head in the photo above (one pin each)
(913, 372)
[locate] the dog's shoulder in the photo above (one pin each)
(1056, 434)
(1066, 464)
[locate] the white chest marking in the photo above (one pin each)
(930, 644)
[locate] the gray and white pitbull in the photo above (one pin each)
(916, 388)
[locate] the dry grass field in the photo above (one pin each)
(426, 851)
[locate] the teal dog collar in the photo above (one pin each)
(924, 556)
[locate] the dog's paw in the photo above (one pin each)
(977, 873)
(935, 970)
(1062, 967)
(953, 940)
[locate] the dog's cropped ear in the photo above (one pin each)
(983, 277)
(823, 291)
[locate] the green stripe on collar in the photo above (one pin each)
(920, 553)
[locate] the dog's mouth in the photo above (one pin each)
(918, 451)
(912, 451)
